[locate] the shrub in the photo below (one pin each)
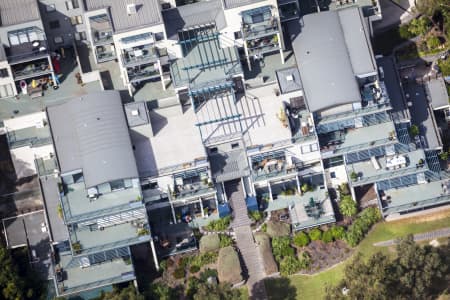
(183, 262)
(210, 242)
(225, 240)
(203, 259)
(163, 265)
(315, 234)
(228, 265)
(208, 273)
(278, 229)
(255, 215)
(404, 32)
(264, 227)
(219, 225)
(301, 239)
(305, 260)
(361, 226)
(281, 247)
(194, 269)
(289, 265)
(347, 206)
(433, 42)
(338, 232)
(444, 155)
(327, 236)
(179, 273)
(414, 130)
(343, 189)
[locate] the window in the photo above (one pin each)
(3, 73)
(54, 24)
(159, 36)
(72, 4)
(333, 174)
(26, 35)
(50, 7)
(237, 35)
(234, 145)
(58, 40)
(117, 185)
(213, 150)
(76, 20)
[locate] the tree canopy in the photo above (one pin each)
(414, 273)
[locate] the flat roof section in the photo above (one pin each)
(12, 12)
(437, 92)
(30, 230)
(324, 62)
(171, 139)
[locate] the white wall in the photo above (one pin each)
(25, 121)
(23, 159)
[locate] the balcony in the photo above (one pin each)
(288, 11)
(104, 54)
(32, 69)
(141, 55)
(258, 22)
(27, 51)
(192, 185)
(142, 72)
(263, 45)
(101, 29)
(271, 165)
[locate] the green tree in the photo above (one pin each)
(347, 206)
(290, 265)
(301, 239)
(420, 26)
(315, 234)
(404, 32)
(12, 285)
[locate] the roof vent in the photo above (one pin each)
(289, 78)
(135, 112)
(131, 9)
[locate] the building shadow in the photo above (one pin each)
(278, 288)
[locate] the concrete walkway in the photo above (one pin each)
(253, 264)
(431, 235)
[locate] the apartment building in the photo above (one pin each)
(25, 55)
(93, 197)
(363, 140)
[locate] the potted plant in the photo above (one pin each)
(354, 176)
(76, 247)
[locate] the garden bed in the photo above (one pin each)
(325, 255)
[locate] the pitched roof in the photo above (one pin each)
(324, 62)
(228, 4)
(91, 133)
(200, 13)
(289, 80)
(148, 13)
(356, 38)
(18, 11)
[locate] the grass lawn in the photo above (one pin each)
(313, 287)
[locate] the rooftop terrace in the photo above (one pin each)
(415, 197)
(77, 206)
(369, 171)
(363, 138)
(163, 144)
(110, 272)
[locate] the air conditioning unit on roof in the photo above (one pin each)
(135, 112)
(289, 78)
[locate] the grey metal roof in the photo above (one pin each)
(437, 93)
(238, 3)
(289, 80)
(356, 37)
(229, 165)
(324, 63)
(148, 13)
(91, 133)
(18, 11)
(140, 118)
(50, 191)
(200, 13)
